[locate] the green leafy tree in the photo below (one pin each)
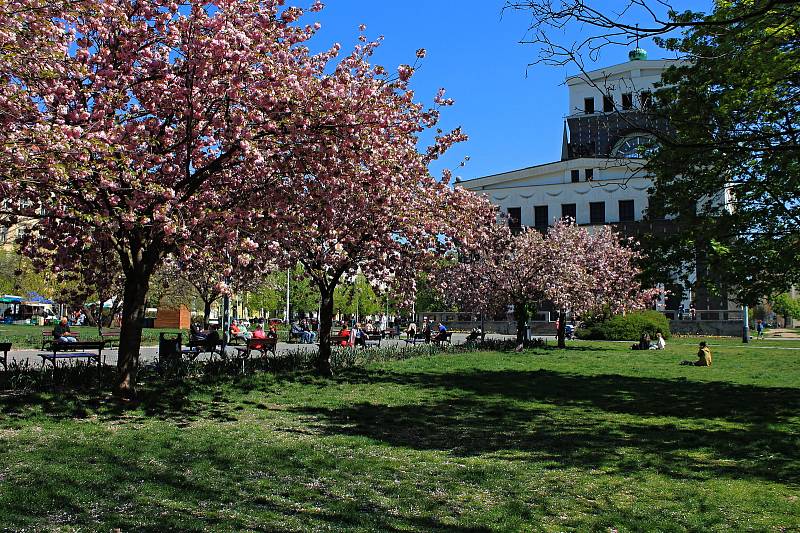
(729, 168)
(358, 298)
(786, 306)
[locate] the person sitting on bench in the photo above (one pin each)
(61, 332)
(196, 332)
(358, 337)
(474, 335)
(213, 338)
(237, 333)
(442, 335)
(703, 356)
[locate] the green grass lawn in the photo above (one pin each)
(591, 438)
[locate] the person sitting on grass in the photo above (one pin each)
(660, 343)
(644, 342)
(703, 356)
(61, 332)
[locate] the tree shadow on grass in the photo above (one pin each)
(585, 421)
(166, 400)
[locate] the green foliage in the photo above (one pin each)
(270, 294)
(18, 276)
(733, 111)
(358, 298)
(428, 298)
(785, 305)
(627, 327)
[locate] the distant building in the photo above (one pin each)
(599, 179)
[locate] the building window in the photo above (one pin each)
(515, 217)
(569, 211)
(646, 98)
(589, 174)
(608, 103)
(597, 212)
(576, 176)
(627, 101)
(626, 211)
(3, 234)
(588, 105)
(540, 216)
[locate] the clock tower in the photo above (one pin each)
(609, 114)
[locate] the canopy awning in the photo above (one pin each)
(10, 299)
(35, 297)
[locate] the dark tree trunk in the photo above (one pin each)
(562, 328)
(323, 362)
(130, 336)
(521, 314)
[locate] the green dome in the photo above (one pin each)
(637, 53)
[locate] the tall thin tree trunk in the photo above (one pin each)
(130, 336)
(323, 362)
(562, 328)
(206, 312)
(521, 314)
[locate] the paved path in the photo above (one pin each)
(150, 353)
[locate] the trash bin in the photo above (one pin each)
(169, 347)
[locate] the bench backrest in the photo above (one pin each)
(109, 333)
(84, 345)
(49, 333)
(5, 346)
(256, 344)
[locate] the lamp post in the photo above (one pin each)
(286, 310)
(745, 325)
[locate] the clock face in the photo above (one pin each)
(635, 147)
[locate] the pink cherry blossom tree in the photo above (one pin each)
(589, 272)
(362, 200)
(141, 123)
(576, 270)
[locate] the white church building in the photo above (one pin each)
(598, 179)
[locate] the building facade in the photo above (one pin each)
(600, 177)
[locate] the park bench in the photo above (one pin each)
(416, 339)
(197, 347)
(261, 345)
(337, 339)
(5, 347)
(475, 341)
(441, 338)
(110, 336)
(74, 350)
(373, 339)
(47, 336)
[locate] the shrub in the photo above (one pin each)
(627, 327)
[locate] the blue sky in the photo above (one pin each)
(513, 113)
